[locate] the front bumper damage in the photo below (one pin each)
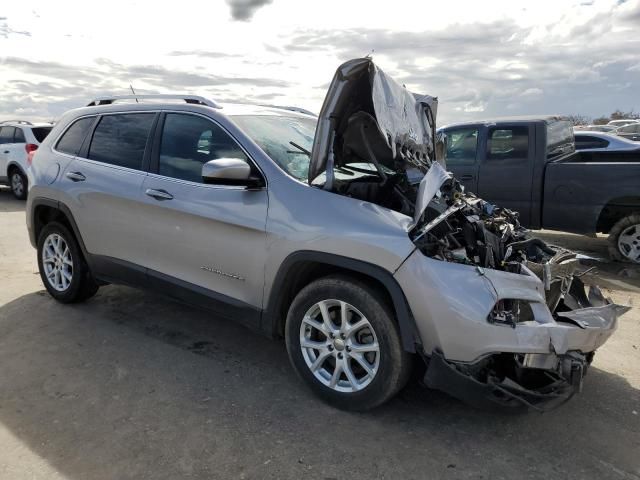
(537, 362)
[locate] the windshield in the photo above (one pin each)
(287, 140)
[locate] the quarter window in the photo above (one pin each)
(462, 146)
(188, 142)
(508, 143)
(121, 139)
(19, 136)
(72, 139)
(6, 134)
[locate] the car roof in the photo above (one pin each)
(223, 109)
(512, 119)
(24, 123)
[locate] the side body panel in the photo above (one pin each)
(576, 192)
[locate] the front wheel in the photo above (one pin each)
(344, 343)
(624, 239)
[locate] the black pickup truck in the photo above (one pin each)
(529, 164)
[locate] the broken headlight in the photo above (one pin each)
(510, 312)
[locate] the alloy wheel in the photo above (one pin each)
(339, 346)
(57, 262)
(629, 243)
(17, 185)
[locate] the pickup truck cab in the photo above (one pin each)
(529, 164)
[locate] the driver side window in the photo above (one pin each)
(462, 146)
(190, 141)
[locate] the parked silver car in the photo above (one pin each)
(347, 239)
(599, 141)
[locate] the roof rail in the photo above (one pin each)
(195, 99)
(23, 122)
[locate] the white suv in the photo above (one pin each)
(18, 140)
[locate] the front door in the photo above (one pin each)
(208, 238)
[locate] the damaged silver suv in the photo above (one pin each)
(342, 234)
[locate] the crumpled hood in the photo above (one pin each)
(363, 100)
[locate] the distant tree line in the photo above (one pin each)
(617, 115)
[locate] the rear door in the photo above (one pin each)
(506, 169)
(210, 238)
(462, 155)
(103, 186)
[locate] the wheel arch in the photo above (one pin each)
(45, 210)
(302, 267)
(13, 164)
(616, 209)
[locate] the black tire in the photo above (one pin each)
(19, 188)
(394, 365)
(614, 234)
(82, 285)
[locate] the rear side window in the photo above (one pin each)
(6, 134)
(19, 136)
(121, 139)
(508, 143)
(188, 142)
(588, 141)
(462, 146)
(41, 133)
(72, 139)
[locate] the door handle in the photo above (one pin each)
(466, 177)
(159, 194)
(6, 151)
(76, 177)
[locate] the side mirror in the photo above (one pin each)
(228, 171)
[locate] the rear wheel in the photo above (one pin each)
(624, 239)
(63, 270)
(343, 341)
(18, 183)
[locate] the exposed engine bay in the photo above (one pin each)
(379, 145)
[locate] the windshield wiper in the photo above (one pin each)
(300, 149)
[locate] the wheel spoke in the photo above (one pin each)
(365, 347)
(337, 373)
(363, 322)
(319, 361)
(313, 323)
(48, 260)
(306, 343)
(350, 375)
(344, 311)
(51, 273)
(364, 364)
(326, 318)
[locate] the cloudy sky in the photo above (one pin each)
(481, 58)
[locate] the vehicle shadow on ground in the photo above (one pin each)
(9, 203)
(130, 385)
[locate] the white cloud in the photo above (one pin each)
(565, 55)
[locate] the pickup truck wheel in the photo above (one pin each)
(63, 269)
(624, 239)
(18, 184)
(343, 342)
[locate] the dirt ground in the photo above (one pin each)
(132, 386)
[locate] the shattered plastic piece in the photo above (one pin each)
(429, 186)
(600, 317)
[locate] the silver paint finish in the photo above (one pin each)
(226, 169)
(252, 232)
(451, 303)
